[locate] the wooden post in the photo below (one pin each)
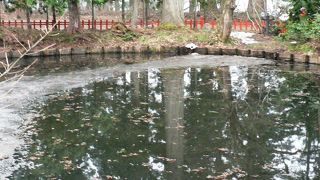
(107, 24)
(82, 24)
(201, 22)
(246, 24)
(240, 23)
(47, 24)
(65, 24)
(40, 24)
(9, 23)
(59, 25)
(21, 24)
(89, 24)
(100, 25)
(95, 24)
(15, 23)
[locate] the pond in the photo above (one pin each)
(182, 118)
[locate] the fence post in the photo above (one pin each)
(107, 25)
(201, 22)
(34, 24)
(240, 23)
(15, 23)
(21, 24)
(95, 24)
(246, 24)
(89, 24)
(100, 25)
(59, 25)
(64, 24)
(9, 23)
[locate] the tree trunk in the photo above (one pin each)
(173, 12)
(74, 16)
(191, 6)
(92, 13)
(226, 20)
(123, 3)
(117, 5)
(145, 16)
(28, 18)
(54, 17)
(135, 13)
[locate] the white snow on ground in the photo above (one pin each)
(245, 37)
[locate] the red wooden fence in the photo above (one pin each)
(239, 25)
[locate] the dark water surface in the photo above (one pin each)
(240, 122)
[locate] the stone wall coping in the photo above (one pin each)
(177, 50)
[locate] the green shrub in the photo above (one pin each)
(304, 30)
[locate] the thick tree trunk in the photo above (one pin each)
(28, 18)
(172, 12)
(135, 12)
(226, 20)
(74, 16)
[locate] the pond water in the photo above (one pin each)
(181, 121)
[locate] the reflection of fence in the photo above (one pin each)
(239, 25)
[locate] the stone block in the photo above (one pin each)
(15, 54)
(78, 51)
(257, 53)
(214, 51)
(202, 51)
(3, 55)
(284, 56)
(65, 51)
(94, 50)
(229, 51)
(243, 52)
(314, 59)
(50, 52)
(270, 55)
(301, 58)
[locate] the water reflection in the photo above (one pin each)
(222, 122)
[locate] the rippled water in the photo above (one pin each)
(187, 121)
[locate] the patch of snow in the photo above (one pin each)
(245, 37)
(191, 46)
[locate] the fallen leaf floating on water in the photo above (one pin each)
(167, 159)
(223, 149)
(198, 170)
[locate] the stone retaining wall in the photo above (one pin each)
(279, 56)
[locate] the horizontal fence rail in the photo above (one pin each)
(238, 24)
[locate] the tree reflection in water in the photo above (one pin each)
(251, 122)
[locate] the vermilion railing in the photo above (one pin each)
(239, 25)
